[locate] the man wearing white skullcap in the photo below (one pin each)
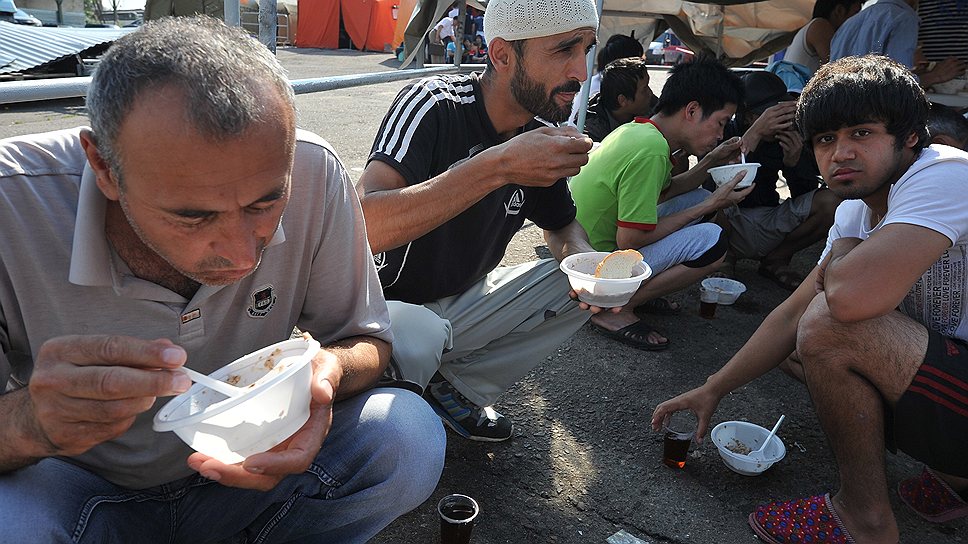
(460, 162)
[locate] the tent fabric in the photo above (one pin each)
(737, 31)
(425, 15)
(318, 24)
(369, 24)
(403, 17)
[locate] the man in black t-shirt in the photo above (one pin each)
(761, 226)
(458, 165)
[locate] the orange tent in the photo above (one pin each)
(369, 23)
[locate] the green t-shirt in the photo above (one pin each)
(621, 184)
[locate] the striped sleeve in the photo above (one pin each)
(421, 116)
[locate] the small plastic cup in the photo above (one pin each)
(708, 301)
(458, 514)
(679, 431)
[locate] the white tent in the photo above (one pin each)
(736, 31)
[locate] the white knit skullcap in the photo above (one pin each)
(523, 19)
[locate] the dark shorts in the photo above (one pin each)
(930, 421)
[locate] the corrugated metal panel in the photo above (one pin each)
(24, 48)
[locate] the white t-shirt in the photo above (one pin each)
(930, 194)
(445, 27)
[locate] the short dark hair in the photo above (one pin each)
(868, 89)
(944, 120)
(823, 8)
(704, 80)
(618, 46)
(621, 78)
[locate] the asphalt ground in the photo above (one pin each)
(583, 463)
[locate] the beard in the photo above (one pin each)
(533, 97)
(858, 191)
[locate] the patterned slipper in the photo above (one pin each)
(802, 520)
(931, 498)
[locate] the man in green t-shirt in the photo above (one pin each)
(628, 199)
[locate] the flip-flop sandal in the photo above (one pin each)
(812, 519)
(932, 498)
(659, 306)
(635, 335)
(782, 275)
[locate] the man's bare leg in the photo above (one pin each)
(667, 282)
(851, 369)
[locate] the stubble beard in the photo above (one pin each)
(533, 97)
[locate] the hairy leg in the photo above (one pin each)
(851, 370)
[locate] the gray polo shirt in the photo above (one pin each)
(59, 276)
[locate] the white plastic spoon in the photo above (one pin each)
(758, 454)
(212, 383)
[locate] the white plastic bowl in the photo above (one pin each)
(601, 292)
(275, 405)
(728, 433)
(952, 86)
(723, 174)
(727, 290)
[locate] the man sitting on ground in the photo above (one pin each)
(142, 260)
(458, 165)
(878, 329)
(627, 198)
(761, 226)
(624, 95)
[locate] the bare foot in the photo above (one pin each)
(870, 526)
(620, 320)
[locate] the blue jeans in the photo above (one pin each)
(382, 458)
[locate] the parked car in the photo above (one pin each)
(12, 14)
(654, 53)
(673, 51)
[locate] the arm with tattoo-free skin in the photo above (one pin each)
(774, 340)
(397, 213)
(697, 175)
(85, 390)
(856, 291)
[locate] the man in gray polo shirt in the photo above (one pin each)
(157, 240)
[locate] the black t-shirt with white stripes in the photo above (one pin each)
(434, 124)
(944, 29)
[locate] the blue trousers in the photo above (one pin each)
(382, 458)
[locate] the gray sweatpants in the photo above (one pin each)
(487, 338)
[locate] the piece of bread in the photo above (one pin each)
(618, 264)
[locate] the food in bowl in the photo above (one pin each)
(733, 438)
(598, 291)
(275, 381)
(724, 174)
(618, 264)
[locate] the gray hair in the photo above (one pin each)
(219, 68)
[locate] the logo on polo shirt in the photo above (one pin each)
(261, 301)
(513, 207)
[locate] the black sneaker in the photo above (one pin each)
(466, 418)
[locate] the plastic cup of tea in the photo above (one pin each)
(678, 431)
(458, 514)
(708, 301)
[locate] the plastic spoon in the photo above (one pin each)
(758, 454)
(211, 383)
